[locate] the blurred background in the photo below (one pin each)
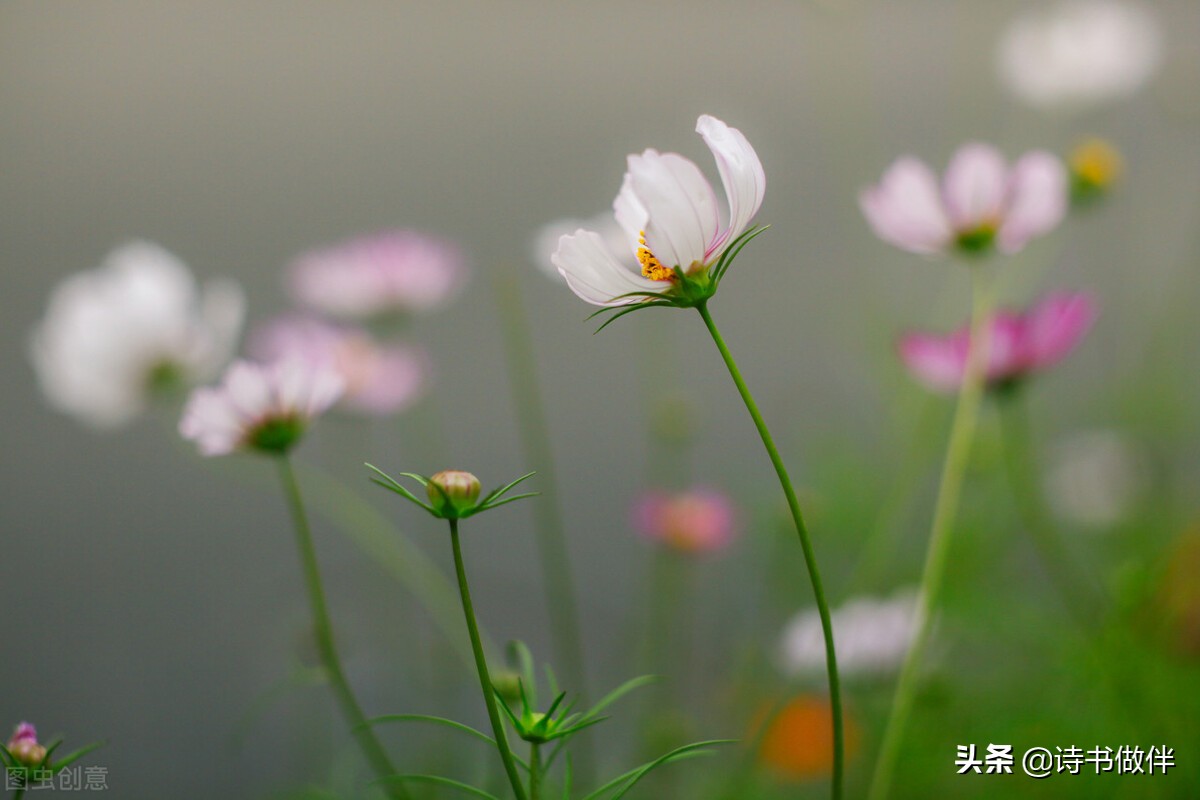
(152, 598)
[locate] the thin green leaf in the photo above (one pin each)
(648, 295)
(567, 774)
(505, 501)
(71, 758)
(637, 773)
(586, 723)
(449, 723)
(421, 479)
(516, 721)
(492, 495)
(557, 702)
(734, 249)
(630, 310)
(622, 690)
(389, 483)
(440, 781)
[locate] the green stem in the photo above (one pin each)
(547, 513)
(485, 679)
(958, 451)
(323, 630)
(535, 771)
(810, 559)
(397, 554)
(1079, 595)
(18, 793)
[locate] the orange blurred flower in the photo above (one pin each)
(798, 741)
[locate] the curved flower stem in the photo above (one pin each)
(323, 630)
(1080, 595)
(958, 451)
(810, 559)
(485, 679)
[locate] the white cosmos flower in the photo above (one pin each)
(668, 212)
(1079, 53)
(260, 407)
(872, 636)
(112, 335)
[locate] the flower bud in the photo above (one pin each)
(507, 684)
(453, 491)
(24, 746)
(1095, 166)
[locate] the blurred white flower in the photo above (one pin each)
(380, 379)
(259, 407)
(545, 241)
(113, 335)
(872, 636)
(1079, 53)
(1095, 477)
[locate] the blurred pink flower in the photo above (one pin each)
(981, 203)
(668, 211)
(392, 272)
(696, 521)
(379, 379)
(259, 407)
(1020, 343)
(24, 747)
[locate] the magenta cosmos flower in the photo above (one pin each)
(1019, 344)
(669, 215)
(697, 521)
(259, 407)
(981, 203)
(395, 272)
(379, 379)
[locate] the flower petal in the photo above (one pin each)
(741, 173)
(680, 205)
(905, 209)
(975, 186)
(1037, 200)
(1056, 325)
(594, 273)
(938, 362)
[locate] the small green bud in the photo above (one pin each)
(453, 492)
(508, 685)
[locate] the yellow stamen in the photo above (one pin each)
(652, 268)
(1096, 162)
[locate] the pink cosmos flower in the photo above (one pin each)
(392, 272)
(697, 521)
(1020, 343)
(24, 746)
(259, 407)
(668, 212)
(379, 379)
(982, 202)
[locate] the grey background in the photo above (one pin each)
(148, 597)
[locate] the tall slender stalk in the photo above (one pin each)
(323, 630)
(1080, 595)
(810, 559)
(945, 512)
(547, 514)
(485, 679)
